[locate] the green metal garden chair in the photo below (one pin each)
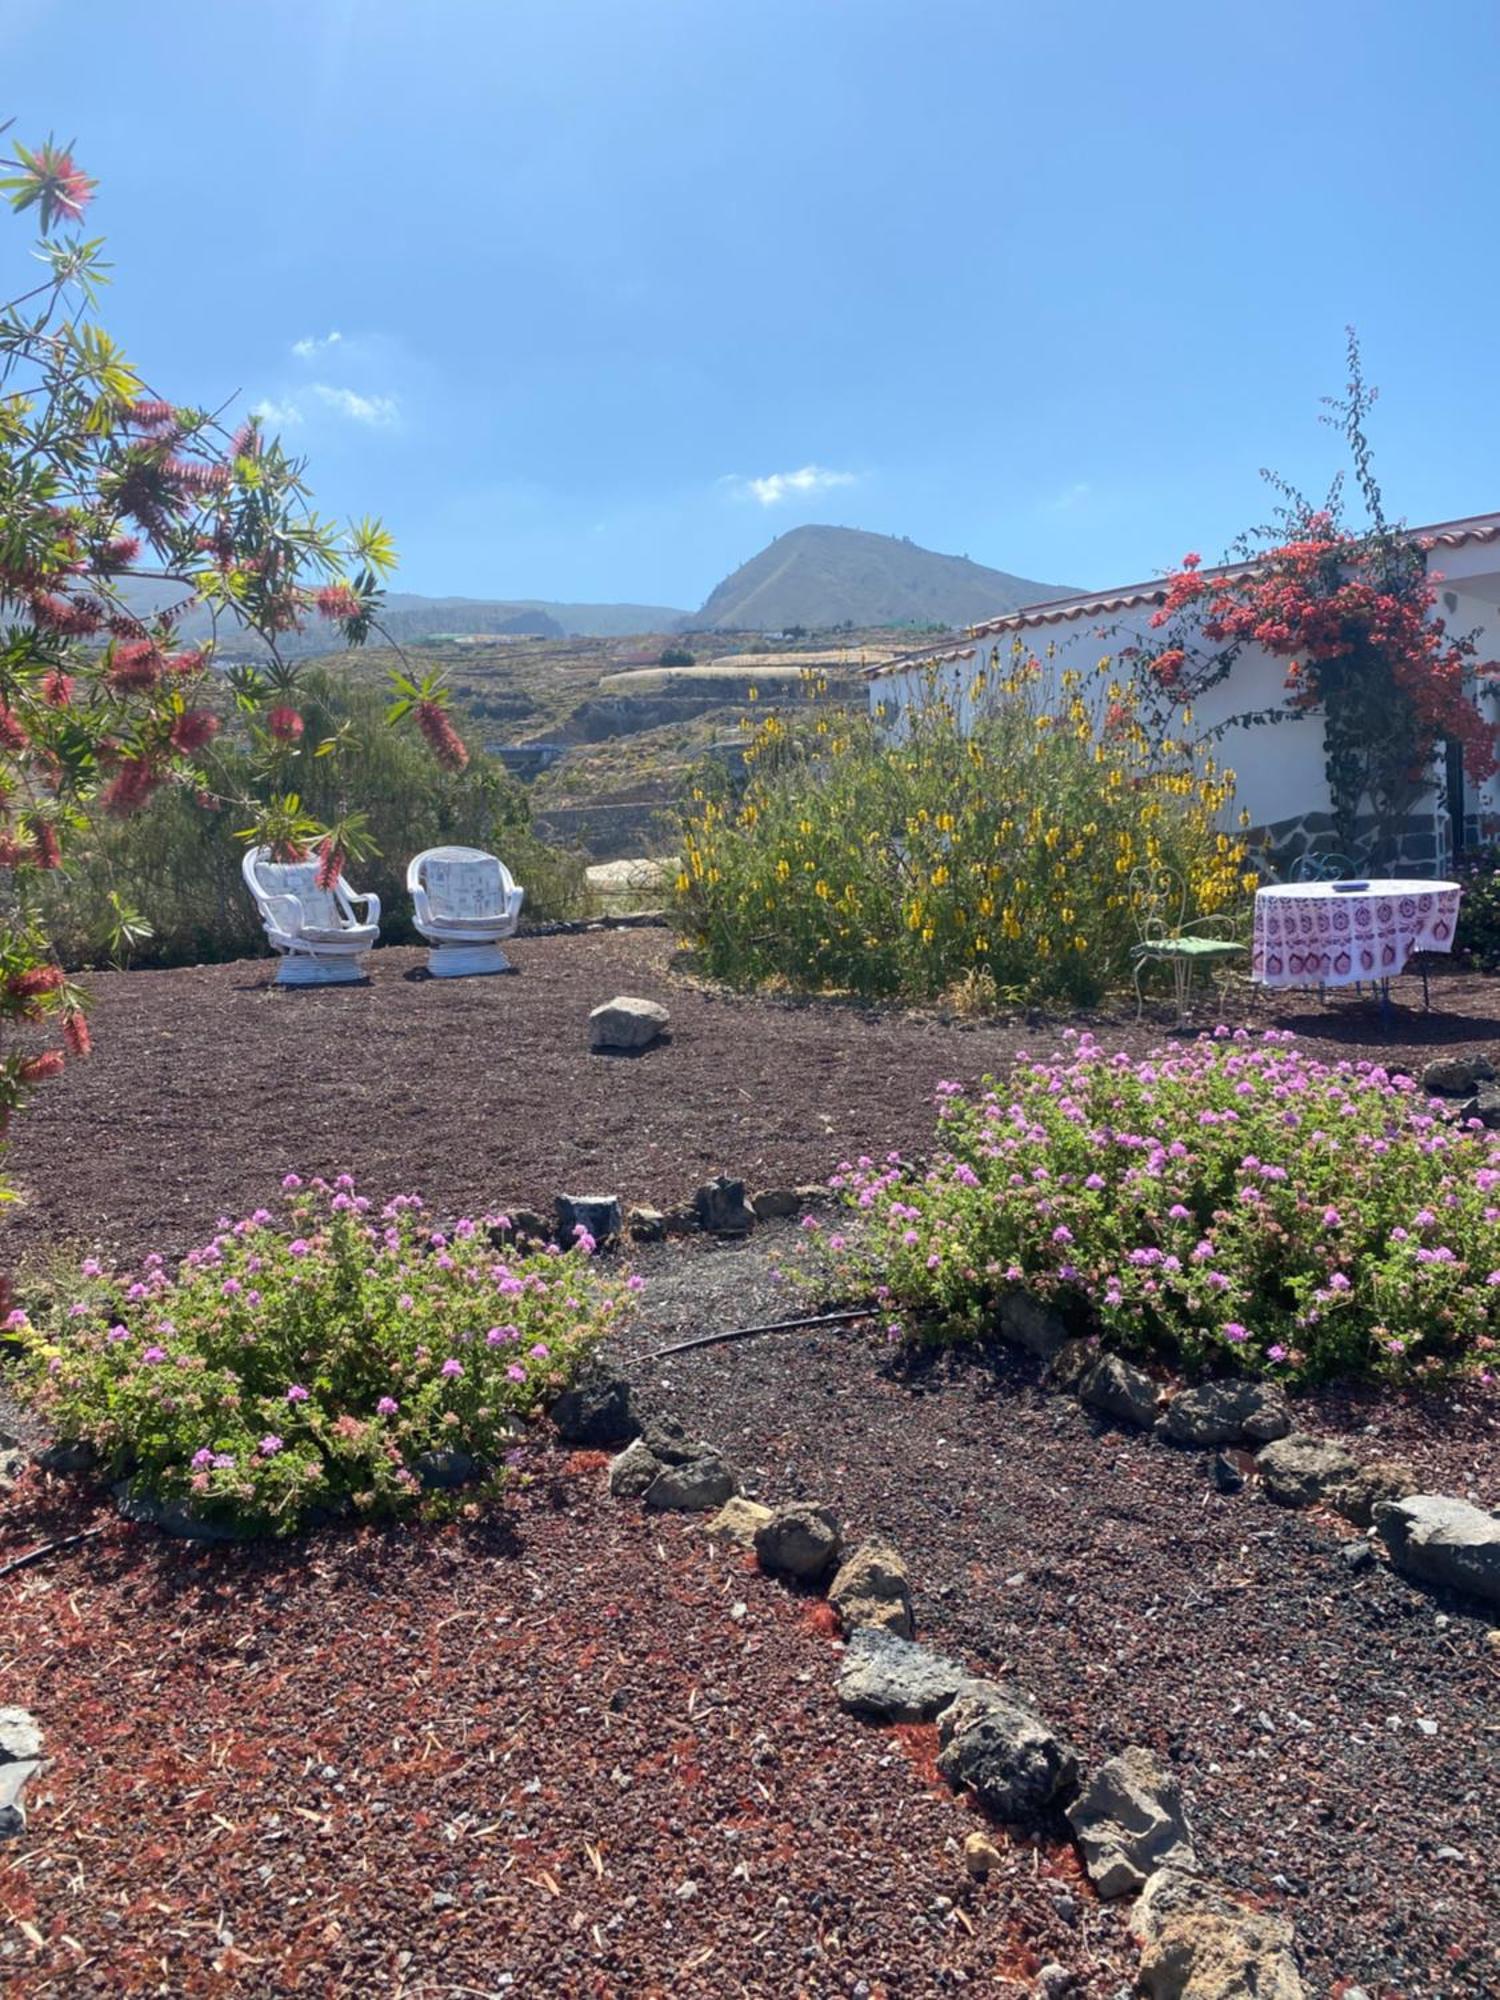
(1168, 936)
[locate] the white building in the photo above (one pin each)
(1281, 780)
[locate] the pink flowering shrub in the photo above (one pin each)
(1229, 1203)
(285, 1370)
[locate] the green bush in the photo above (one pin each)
(283, 1372)
(1229, 1203)
(177, 862)
(994, 862)
(1477, 938)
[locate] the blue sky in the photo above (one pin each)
(589, 298)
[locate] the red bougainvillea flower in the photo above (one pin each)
(330, 864)
(285, 724)
(75, 1032)
(443, 739)
(339, 600)
(37, 1069)
(190, 732)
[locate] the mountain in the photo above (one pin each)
(408, 617)
(820, 577)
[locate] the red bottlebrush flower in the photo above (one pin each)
(57, 688)
(339, 600)
(288, 850)
(12, 853)
(135, 667)
(122, 551)
(75, 1032)
(34, 982)
(443, 739)
(246, 441)
(184, 665)
(190, 732)
(63, 190)
(285, 724)
(12, 735)
(150, 416)
(330, 864)
(206, 800)
(74, 617)
(130, 788)
(37, 1069)
(46, 848)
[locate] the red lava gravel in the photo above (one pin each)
(207, 1084)
(1336, 1733)
(566, 1749)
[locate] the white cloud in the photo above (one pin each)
(1070, 497)
(798, 485)
(310, 344)
(280, 416)
(378, 410)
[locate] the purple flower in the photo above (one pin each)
(1235, 1332)
(298, 1247)
(1062, 1234)
(202, 1458)
(516, 1372)
(1276, 1353)
(154, 1354)
(387, 1406)
(296, 1394)
(291, 1181)
(269, 1445)
(451, 1367)
(92, 1268)
(118, 1333)
(223, 1460)
(540, 1351)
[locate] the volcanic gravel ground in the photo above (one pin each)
(569, 1749)
(207, 1084)
(1138, 1605)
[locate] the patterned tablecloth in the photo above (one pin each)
(1308, 935)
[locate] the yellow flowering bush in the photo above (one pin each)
(995, 859)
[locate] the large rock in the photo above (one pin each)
(634, 1471)
(1228, 1412)
(1201, 1945)
(800, 1540)
(1457, 1076)
(1129, 1822)
(1483, 1105)
(440, 1470)
(597, 1214)
(872, 1588)
(173, 1517)
(1444, 1541)
(1005, 1752)
(775, 1204)
(1117, 1389)
(1380, 1479)
(596, 1411)
(20, 1757)
(627, 1023)
(893, 1680)
(668, 1440)
(737, 1521)
(1027, 1322)
(693, 1488)
(722, 1209)
(67, 1455)
(1300, 1469)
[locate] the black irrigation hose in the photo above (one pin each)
(751, 1332)
(48, 1549)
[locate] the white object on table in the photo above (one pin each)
(1309, 934)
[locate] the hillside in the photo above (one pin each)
(409, 617)
(819, 577)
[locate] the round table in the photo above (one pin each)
(1312, 934)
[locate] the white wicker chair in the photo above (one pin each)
(463, 902)
(320, 938)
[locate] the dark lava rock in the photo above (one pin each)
(1117, 1389)
(172, 1517)
(722, 1209)
(1437, 1539)
(68, 1455)
(634, 1472)
(596, 1411)
(1457, 1076)
(1226, 1475)
(1299, 1469)
(888, 1677)
(1005, 1752)
(800, 1540)
(694, 1487)
(1027, 1322)
(599, 1214)
(445, 1469)
(1227, 1412)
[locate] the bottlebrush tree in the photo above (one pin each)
(1354, 616)
(120, 513)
